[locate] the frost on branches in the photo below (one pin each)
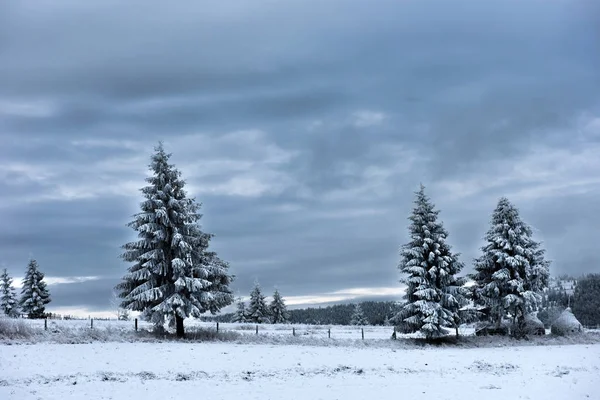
(358, 316)
(34, 295)
(258, 312)
(240, 314)
(434, 294)
(8, 296)
(512, 272)
(173, 275)
(278, 310)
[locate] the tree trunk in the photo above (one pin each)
(179, 325)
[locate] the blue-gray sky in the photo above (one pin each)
(303, 127)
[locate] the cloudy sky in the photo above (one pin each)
(303, 127)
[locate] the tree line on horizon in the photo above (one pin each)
(362, 313)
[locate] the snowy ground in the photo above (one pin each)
(181, 370)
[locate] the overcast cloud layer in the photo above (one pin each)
(303, 127)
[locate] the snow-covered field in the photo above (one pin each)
(110, 362)
(182, 370)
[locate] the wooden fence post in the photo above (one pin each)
(329, 333)
(136, 325)
(92, 323)
(45, 324)
(293, 331)
(362, 331)
(257, 329)
(217, 327)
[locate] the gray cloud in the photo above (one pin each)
(93, 295)
(304, 131)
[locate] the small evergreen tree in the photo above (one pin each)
(358, 316)
(258, 312)
(34, 295)
(512, 273)
(173, 275)
(8, 296)
(278, 310)
(240, 314)
(434, 293)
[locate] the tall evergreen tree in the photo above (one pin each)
(8, 296)
(258, 312)
(434, 293)
(512, 273)
(358, 316)
(240, 314)
(173, 275)
(34, 294)
(278, 310)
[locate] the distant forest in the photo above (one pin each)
(376, 312)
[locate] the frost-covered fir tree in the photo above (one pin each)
(8, 296)
(34, 294)
(358, 316)
(278, 310)
(173, 275)
(512, 273)
(240, 314)
(434, 293)
(258, 312)
(386, 321)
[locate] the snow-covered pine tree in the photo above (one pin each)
(258, 312)
(8, 296)
(512, 273)
(240, 312)
(358, 316)
(34, 294)
(173, 275)
(278, 310)
(434, 294)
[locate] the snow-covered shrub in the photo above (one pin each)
(203, 334)
(566, 324)
(533, 326)
(11, 328)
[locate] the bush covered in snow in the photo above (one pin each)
(12, 328)
(566, 324)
